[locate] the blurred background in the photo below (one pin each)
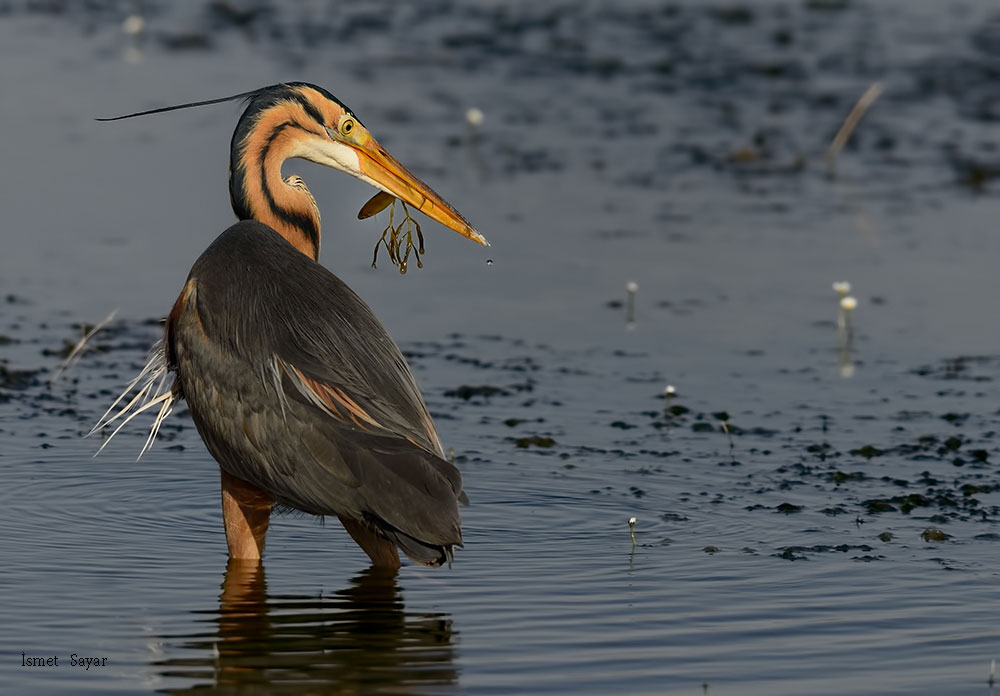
(671, 190)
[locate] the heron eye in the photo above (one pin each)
(347, 126)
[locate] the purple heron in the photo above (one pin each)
(296, 388)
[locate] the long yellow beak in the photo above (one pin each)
(397, 180)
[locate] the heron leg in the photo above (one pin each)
(382, 551)
(246, 511)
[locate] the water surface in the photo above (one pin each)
(814, 514)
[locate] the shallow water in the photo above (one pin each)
(838, 536)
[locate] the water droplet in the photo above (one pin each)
(489, 262)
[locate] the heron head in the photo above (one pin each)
(320, 128)
(298, 119)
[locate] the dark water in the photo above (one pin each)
(817, 509)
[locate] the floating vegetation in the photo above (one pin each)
(468, 391)
(932, 534)
(534, 440)
(839, 477)
(968, 368)
(877, 505)
(798, 553)
(15, 379)
(868, 451)
(395, 231)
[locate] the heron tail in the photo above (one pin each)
(420, 552)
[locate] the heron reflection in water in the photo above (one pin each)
(360, 639)
(294, 385)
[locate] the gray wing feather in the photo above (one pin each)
(263, 332)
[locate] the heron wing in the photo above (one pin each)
(269, 300)
(297, 388)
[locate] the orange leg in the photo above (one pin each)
(246, 511)
(382, 551)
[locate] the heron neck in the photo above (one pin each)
(258, 191)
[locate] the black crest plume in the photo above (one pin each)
(207, 102)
